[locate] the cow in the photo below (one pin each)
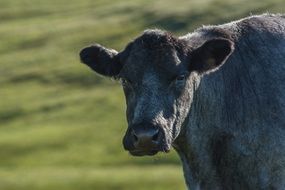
(216, 95)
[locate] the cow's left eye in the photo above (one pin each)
(181, 77)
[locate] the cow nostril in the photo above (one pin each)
(143, 138)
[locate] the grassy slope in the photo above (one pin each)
(60, 125)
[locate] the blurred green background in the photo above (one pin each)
(61, 126)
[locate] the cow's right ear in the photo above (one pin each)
(102, 60)
(211, 55)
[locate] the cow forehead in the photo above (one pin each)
(152, 69)
(160, 62)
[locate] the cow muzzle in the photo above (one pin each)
(144, 139)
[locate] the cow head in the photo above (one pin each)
(158, 73)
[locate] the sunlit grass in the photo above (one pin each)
(166, 177)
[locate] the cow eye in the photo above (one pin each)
(181, 77)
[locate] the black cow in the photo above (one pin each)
(216, 95)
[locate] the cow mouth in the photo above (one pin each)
(144, 152)
(147, 152)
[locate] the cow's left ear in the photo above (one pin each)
(211, 55)
(102, 60)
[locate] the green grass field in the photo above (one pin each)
(61, 126)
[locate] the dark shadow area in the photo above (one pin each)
(74, 79)
(213, 13)
(25, 44)
(10, 114)
(172, 23)
(33, 43)
(9, 153)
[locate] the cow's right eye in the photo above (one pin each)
(180, 79)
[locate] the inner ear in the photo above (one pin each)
(211, 55)
(102, 60)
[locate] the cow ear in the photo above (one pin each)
(102, 60)
(211, 55)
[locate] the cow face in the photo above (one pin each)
(158, 73)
